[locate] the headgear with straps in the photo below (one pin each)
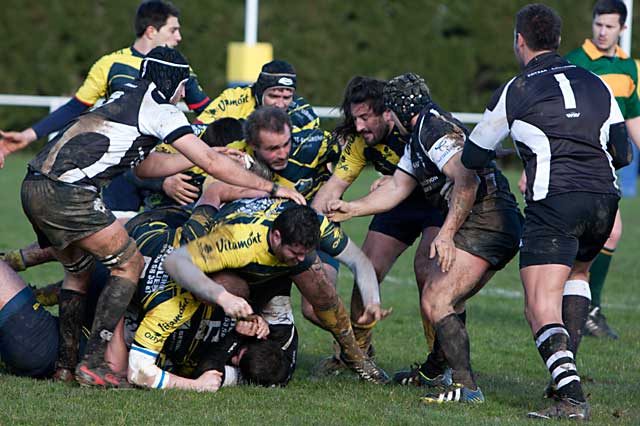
(278, 74)
(167, 68)
(406, 95)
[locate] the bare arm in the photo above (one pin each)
(222, 167)
(331, 190)
(382, 199)
(180, 267)
(463, 195)
(633, 127)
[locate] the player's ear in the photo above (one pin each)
(276, 237)
(150, 32)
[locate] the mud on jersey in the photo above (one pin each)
(112, 138)
(435, 139)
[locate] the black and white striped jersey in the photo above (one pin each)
(112, 138)
(559, 116)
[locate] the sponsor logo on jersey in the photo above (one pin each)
(223, 244)
(168, 325)
(243, 99)
(573, 114)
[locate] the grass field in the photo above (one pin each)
(509, 369)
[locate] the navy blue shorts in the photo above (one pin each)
(29, 337)
(406, 221)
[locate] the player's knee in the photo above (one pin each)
(126, 258)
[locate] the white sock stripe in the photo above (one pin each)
(560, 354)
(567, 380)
(577, 288)
(563, 368)
(458, 393)
(548, 333)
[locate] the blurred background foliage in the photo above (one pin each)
(462, 47)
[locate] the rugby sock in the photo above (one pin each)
(336, 320)
(436, 362)
(598, 274)
(71, 308)
(552, 342)
(364, 335)
(429, 332)
(454, 340)
(111, 306)
(575, 309)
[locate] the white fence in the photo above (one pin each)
(54, 102)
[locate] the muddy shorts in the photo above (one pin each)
(62, 213)
(492, 233)
(567, 227)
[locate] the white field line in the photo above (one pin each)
(502, 293)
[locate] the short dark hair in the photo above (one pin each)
(298, 225)
(264, 363)
(222, 132)
(540, 26)
(359, 90)
(268, 118)
(154, 13)
(604, 7)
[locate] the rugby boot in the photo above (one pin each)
(414, 376)
(454, 393)
(48, 295)
(597, 326)
(565, 408)
(367, 370)
(333, 365)
(100, 376)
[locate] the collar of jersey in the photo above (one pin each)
(136, 53)
(593, 53)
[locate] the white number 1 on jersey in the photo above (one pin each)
(567, 91)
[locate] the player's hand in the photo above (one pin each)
(339, 210)
(373, 312)
(179, 189)
(232, 153)
(382, 180)
(522, 183)
(209, 381)
(234, 306)
(292, 194)
(11, 142)
(444, 247)
(253, 325)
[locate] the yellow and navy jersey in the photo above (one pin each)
(307, 169)
(239, 102)
(163, 304)
(383, 156)
(240, 241)
(208, 330)
(159, 199)
(111, 72)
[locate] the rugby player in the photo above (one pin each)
(61, 194)
(479, 236)
(571, 192)
(264, 239)
(602, 56)
(371, 138)
(275, 86)
(156, 24)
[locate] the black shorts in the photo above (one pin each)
(29, 337)
(62, 213)
(492, 234)
(567, 227)
(406, 221)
